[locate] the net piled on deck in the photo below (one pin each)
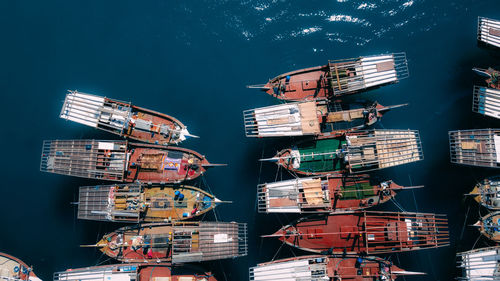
(475, 147)
(486, 101)
(480, 264)
(488, 31)
(85, 158)
(367, 72)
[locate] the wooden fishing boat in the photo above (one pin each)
(328, 194)
(324, 267)
(178, 242)
(489, 226)
(486, 101)
(480, 264)
(14, 269)
(138, 202)
(492, 76)
(479, 147)
(488, 31)
(352, 153)
(313, 118)
(487, 193)
(134, 272)
(365, 232)
(338, 78)
(123, 119)
(121, 161)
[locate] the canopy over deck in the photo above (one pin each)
(85, 158)
(488, 31)
(209, 241)
(292, 196)
(124, 272)
(380, 149)
(96, 111)
(480, 264)
(475, 147)
(291, 119)
(486, 101)
(348, 76)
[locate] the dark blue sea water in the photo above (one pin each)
(192, 59)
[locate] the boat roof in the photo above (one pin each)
(95, 111)
(217, 240)
(475, 147)
(94, 203)
(82, 158)
(480, 264)
(114, 272)
(290, 119)
(378, 149)
(488, 31)
(486, 101)
(284, 196)
(370, 71)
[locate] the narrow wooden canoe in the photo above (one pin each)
(138, 202)
(123, 119)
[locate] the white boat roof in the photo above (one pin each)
(101, 273)
(286, 196)
(291, 119)
(292, 270)
(370, 71)
(488, 31)
(93, 111)
(480, 264)
(486, 101)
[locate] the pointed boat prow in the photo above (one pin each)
(404, 272)
(210, 165)
(387, 108)
(272, 159)
(263, 87)
(481, 72)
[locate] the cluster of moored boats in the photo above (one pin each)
(148, 191)
(337, 149)
(481, 147)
